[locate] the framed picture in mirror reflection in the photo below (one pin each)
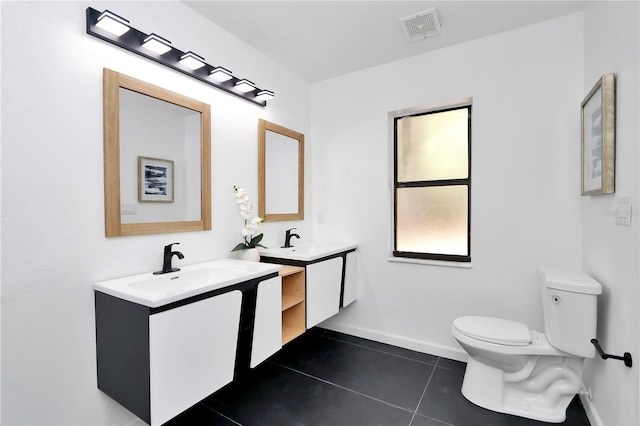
(155, 180)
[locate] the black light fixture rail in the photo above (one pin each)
(132, 40)
(626, 357)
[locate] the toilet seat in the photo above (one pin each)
(493, 330)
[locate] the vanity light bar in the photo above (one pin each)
(265, 95)
(221, 74)
(245, 86)
(157, 44)
(116, 30)
(112, 23)
(191, 60)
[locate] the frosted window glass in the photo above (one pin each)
(432, 220)
(433, 146)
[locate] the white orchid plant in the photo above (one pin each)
(251, 223)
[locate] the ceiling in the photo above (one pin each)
(318, 40)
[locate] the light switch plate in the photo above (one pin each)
(623, 210)
(128, 209)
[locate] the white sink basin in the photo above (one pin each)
(182, 280)
(157, 290)
(308, 251)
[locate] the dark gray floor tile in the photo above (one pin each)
(382, 347)
(275, 395)
(444, 401)
(452, 364)
(199, 415)
(396, 380)
(576, 415)
(419, 420)
(326, 378)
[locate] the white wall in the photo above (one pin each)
(53, 244)
(526, 211)
(611, 253)
(526, 86)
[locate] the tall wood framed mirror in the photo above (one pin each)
(157, 159)
(280, 172)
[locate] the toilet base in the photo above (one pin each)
(541, 391)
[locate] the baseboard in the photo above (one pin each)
(400, 341)
(590, 411)
(135, 422)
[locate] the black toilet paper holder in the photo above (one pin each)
(626, 357)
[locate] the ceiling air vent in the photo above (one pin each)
(421, 25)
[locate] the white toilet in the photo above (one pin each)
(514, 370)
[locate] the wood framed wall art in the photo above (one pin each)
(598, 137)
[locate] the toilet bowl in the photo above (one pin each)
(527, 373)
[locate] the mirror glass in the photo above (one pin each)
(157, 163)
(280, 173)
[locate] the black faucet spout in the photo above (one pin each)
(166, 260)
(287, 238)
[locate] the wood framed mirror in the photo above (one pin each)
(157, 159)
(280, 172)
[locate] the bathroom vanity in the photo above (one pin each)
(330, 270)
(165, 342)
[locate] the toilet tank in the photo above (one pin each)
(569, 302)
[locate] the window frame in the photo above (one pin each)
(394, 117)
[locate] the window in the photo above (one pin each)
(432, 183)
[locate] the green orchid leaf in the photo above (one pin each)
(240, 246)
(255, 241)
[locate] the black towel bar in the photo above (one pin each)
(626, 357)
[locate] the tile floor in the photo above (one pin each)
(325, 378)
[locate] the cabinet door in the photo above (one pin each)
(323, 290)
(267, 328)
(350, 279)
(192, 351)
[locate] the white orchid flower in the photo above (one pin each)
(251, 224)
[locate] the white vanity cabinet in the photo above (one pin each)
(331, 285)
(267, 330)
(323, 290)
(192, 352)
(350, 292)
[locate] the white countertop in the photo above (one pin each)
(308, 251)
(158, 290)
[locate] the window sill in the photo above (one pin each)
(449, 264)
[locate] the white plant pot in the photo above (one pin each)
(252, 255)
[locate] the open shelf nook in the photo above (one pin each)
(293, 302)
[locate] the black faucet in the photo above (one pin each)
(287, 238)
(166, 262)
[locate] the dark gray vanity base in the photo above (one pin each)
(122, 342)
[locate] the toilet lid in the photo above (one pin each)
(494, 330)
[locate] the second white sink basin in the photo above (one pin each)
(308, 251)
(157, 290)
